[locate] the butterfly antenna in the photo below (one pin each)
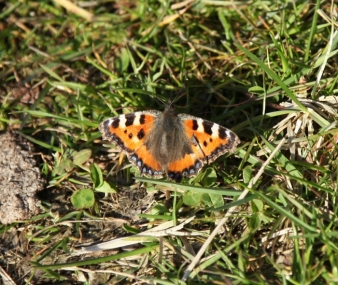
(160, 100)
(177, 96)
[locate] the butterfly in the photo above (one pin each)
(167, 143)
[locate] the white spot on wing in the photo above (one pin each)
(137, 119)
(200, 126)
(215, 129)
(123, 121)
(108, 122)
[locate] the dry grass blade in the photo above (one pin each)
(165, 229)
(72, 8)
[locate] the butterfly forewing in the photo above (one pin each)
(128, 131)
(209, 140)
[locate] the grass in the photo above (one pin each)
(266, 69)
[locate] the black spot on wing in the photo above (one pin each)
(194, 125)
(141, 134)
(222, 133)
(130, 118)
(142, 119)
(207, 127)
(116, 122)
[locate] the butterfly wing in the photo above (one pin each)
(189, 165)
(208, 140)
(205, 141)
(129, 132)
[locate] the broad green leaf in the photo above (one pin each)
(247, 174)
(257, 204)
(96, 175)
(192, 198)
(67, 164)
(216, 200)
(255, 222)
(106, 188)
(83, 198)
(82, 156)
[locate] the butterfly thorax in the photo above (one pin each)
(168, 143)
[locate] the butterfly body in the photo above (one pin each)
(167, 143)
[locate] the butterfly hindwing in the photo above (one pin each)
(187, 166)
(146, 162)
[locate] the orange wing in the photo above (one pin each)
(188, 166)
(129, 132)
(209, 140)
